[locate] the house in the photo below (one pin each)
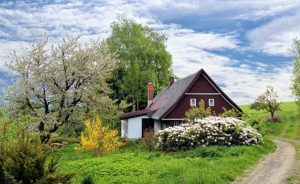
(169, 106)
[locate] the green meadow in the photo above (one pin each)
(135, 165)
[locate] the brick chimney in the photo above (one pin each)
(150, 93)
(171, 80)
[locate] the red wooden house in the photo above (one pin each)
(169, 106)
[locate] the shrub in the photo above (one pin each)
(1, 162)
(148, 139)
(255, 121)
(87, 180)
(60, 139)
(12, 128)
(206, 132)
(198, 112)
(98, 138)
(229, 113)
(25, 161)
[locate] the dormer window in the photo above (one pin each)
(193, 102)
(211, 102)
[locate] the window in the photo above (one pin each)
(211, 102)
(193, 102)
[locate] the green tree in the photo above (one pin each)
(198, 112)
(61, 85)
(296, 72)
(267, 101)
(142, 58)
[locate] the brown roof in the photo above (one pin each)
(165, 100)
(136, 113)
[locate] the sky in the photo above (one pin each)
(243, 45)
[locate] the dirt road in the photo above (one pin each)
(275, 168)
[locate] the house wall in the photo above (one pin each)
(157, 125)
(202, 86)
(202, 89)
(135, 127)
(179, 111)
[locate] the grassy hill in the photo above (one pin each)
(289, 124)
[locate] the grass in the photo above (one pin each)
(288, 127)
(134, 165)
(289, 124)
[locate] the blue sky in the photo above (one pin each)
(244, 45)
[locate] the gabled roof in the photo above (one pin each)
(170, 96)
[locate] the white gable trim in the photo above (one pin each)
(174, 119)
(202, 93)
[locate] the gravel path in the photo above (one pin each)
(275, 168)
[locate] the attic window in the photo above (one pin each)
(211, 102)
(193, 102)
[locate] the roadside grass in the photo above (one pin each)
(288, 127)
(295, 177)
(218, 164)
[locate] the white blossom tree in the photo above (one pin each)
(267, 101)
(62, 84)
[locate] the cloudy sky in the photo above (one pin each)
(244, 45)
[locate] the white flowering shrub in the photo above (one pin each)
(206, 132)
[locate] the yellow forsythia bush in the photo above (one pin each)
(98, 138)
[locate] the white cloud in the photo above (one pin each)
(276, 37)
(191, 50)
(242, 81)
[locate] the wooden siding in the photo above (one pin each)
(184, 105)
(202, 86)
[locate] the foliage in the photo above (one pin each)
(288, 126)
(254, 121)
(296, 72)
(206, 132)
(61, 85)
(143, 58)
(98, 138)
(148, 139)
(229, 113)
(87, 180)
(60, 139)
(198, 112)
(267, 101)
(2, 158)
(135, 165)
(25, 161)
(11, 129)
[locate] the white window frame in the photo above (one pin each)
(211, 102)
(193, 102)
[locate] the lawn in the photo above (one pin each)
(134, 165)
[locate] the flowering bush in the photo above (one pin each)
(208, 131)
(98, 138)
